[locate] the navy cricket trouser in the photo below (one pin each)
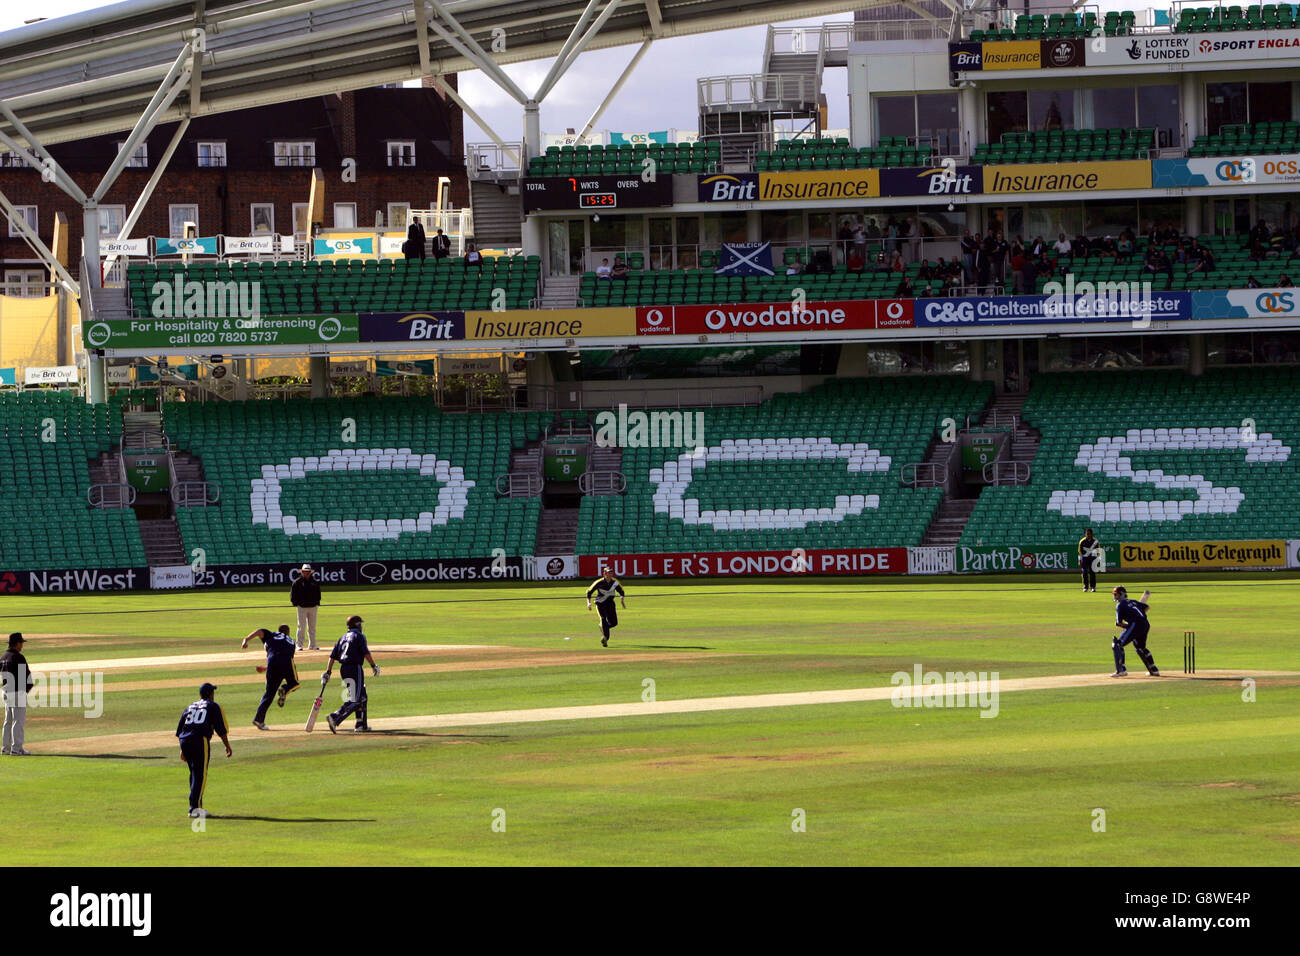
(1136, 634)
(276, 674)
(355, 681)
(196, 751)
(608, 615)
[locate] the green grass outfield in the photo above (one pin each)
(1186, 771)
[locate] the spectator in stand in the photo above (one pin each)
(873, 228)
(926, 272)
(1260, 233)
(1017, 246)
(1043, 266)
(1037, 247)
(1285, 282)
(1257, 252)
(1125, 247)
(1158, 262)
(1018, 263)
(904, 289)
(891, 235)
(845, 237)
(1063, 247)
(415, 240)
(856, 262)
(620, 269)
(474, 258)
(1107, 248)
(969, 246)
(1253, 283)
(603, 271)
(880, 263)
(951, 275)
(896, 263)
(983, 267)
(860, 237)
(793, 269)
(1201, 261)
(998, 260)
(1081, 246)
(441, 246)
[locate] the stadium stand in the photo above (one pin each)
(811, 470)
(1153, 456)
(1276, 136)
(43, 506)
(416, 483)
(1069, 145)
(627, 159)
(355, 285)
(809, 154)
(1054, 26)
(1269, 16)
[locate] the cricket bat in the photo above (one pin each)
(315, 707)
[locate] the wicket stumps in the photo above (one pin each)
(1189, 652)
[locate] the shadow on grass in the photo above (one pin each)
(660, 647)
(257, 819)
(101, 756)
(430, 733)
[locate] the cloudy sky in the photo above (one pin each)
(661, 94)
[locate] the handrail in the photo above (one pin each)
(97, 496)
(924, 474)
(1006, 473)
(195, 494)
(602, 482)
(571, 424)
(996, 420)
(519, 484)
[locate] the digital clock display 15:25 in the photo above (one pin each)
(597, 200)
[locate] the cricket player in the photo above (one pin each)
(604, 589)
(350, 650)
(1132, 616)
(16, 681)
(1089, 550)
(281, 674)
(195, 729)
(304, 594)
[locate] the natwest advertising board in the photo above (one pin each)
(707, 564)
(774, 317)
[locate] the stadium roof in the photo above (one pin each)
(96, 73)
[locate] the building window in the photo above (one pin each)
(297, 152)
(1007, 111)
(262, 219)
(398, 214)
(29, 216)
(301, 222)
(178, 216)
(138, 160)
(1158, 107)
(11, 160)
(111, 221)
(345, 215)
(1051, 109)
(25, 283)
(212, 154)
(401, 152)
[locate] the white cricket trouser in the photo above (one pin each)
(307, 626)
(15, 718)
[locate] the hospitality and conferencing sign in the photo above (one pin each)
(221, 334)
(1204, 554)
(1225, 171)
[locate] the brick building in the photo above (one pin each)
(249, 172)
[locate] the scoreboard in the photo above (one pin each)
(594, 193)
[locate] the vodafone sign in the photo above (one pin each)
(725, 319)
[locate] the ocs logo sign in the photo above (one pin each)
(1236, 170)
(1275, 302)
(341, 245)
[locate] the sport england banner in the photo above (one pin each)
(745, 259)
(1171, 49)
(1003, 559)
(221, 335)
(702, 564)
(1205, 554)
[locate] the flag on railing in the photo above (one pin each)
(745, 259)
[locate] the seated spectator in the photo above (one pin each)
(1082, 246)
(1260, 233)
(1108, 249)
(603, 270)
(1063, 247)
(1285, 282)
(620, 269)
(896, 263)
(1124, 249)
(1257, 252)
(855, 262)
(926, 272)
(1253, 283)
(793, 269)
(473, 258)
(880, 263)
(904, 289)
(1202, 261)
(1158, 262)
(1037, 247)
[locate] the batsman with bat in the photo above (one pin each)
(350, 650)
(281, 674)
(1132, 616)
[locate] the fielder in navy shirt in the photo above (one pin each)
(351, 652)
(1132, 616)
(198, 723)
(281, 674)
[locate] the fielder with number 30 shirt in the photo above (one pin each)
(195, 729)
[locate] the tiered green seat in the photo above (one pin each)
(1269, 16)
(700, 157)
(1072, 410)
(1070, 145)
(43, 485)
(812, 154)
(896, 418)
(234, 440)
(1275, 136)
(357, 285)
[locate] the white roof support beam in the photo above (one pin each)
(564, 64)
(41, 249)
(147, 193)
(200, 47)
(422, 36)
(61, 177)
(618, 85)
(553, 75)
(456, 98)
(920, 11)
(655, 15)
(468, 47)
(171, 87)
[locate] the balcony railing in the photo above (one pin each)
(768, 90)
